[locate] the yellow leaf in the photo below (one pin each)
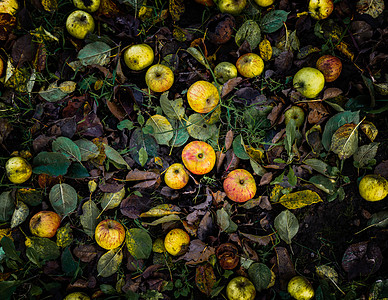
(64, 236)
(68, 86)
(162, 129)
(256, 154)
(161, 210)
(344, 141)
(5, 232)
(344, 49)
(42, 35)
(176, 8)
(265, 49)
(328, 272)
(369, 129)
(9, 7)
(278, 191)
(299, 199)
(112, 200)
(50, 5)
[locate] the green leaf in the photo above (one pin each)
(273, 20)
(292, 179)
(249, 31)
(50, 163)
(33, 256)
(260, 275)
(8, 288)
(69, 265)
(45, 248)
(112, 200)
(139, 243)
(344, 141)
(87, 149)
(379, 219)
(290, 137)
(225, 222)
(114, 156)
(324, 184)
(125, 124)
(63, 198)
(199, 129)
(96, 53)
(365, 154)
(9, 248)
(89, 216)
(162, 129)
(31, 197)
(322, 167)
(287, 225)
(77, 171)
(7, 206)
(181, 134)
(67, 147)
(173, 109)
(143, 156)
(110, 262)
(140, 140)
(239, 148)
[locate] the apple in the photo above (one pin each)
(330, 66)
(300, 288)
(77, 296)
(18, 170)
(250, 65)
(79, 23)
(205, 2)
(373, 187)
(240, 288)
(203, 96)
(176, 241)
(225, 71)
(9, 7)
(109, 234)
(239, 185)
(176, 176)
(159, 78)
(198, 157)
(296, 113)
(233, 7)
(264, 3)
(45, 223)
(320, 9)
(138, 57)
(309, 82)
(1, 67)
(88, 5)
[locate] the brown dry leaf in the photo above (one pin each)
(266, 178)
(108, 8)
(205, 278)
(176, 9)
(286, 268)
(228, 140)
(344, 141)
(261, 240)
(299, 199)
(382, 169)
(230, 85)
(198, 253)
(220, 157)
(116, 109)
(253, 202)
(331, 93)
(134, 205)
(86, 253)
(369, 129)
(148, 184)
(275, 113)
(99, 160)
(317, 113)
(137, 175)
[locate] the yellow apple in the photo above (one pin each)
(250, 65)
(309, 82)
(225, 71)
(320, 9)
(233, 7)
(79, 23)
(176, 241)
(45, 224)
(264, 3)
(176, 176)
(240, 288)
(88, 5)
(9, 7)
(203, 96)
(198, 157)
(18, 170)
(109, 234)
(138, 57)
(159, 78)
(77, 296)
(330, 66)
(373, 187)
(239, 185)
(300, 288)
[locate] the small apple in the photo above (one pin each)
(225, 71)
(205, 2)
(159, 78)
(176, 176)
(45, 223)
(240, 288)
(239, 185)
(9, 7)
(233, 7)
(373, 187)
(109, 234)
(300, 288)
(88, 5)
(330, 66)
(320, 9)
(296, 113)
(79, 23)
(77, 296)
(250, 65)
(176, 242)
(18, 170)
(309, 82)
(203, 96)
(264, 3)
(198, 157)
(138, 57)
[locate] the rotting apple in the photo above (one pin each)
(309, 82)
(250, 65)
(225, 71)
(88, 5)
(109, 234)
(205, 2)
(176, 241)
(264, 3)
(18, 170)
(373, 187)
(138, 57)
(239, 185)
(45, 223)
(320, 9)
(79, 23)
(300, 288)
(296, 113)
(198, 157)
(203, 96)
(159, 78)
(176, 176)
(240, 288)
(233, 7)
(330, 66)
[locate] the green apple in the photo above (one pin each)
(309, 82)
(233, 7)
(79, 23)
(296, 113)
(240, 288)
(88, 5)
(225, 71)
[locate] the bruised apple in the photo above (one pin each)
(203, 96)
(320, 9)
(198, 157)
(239, 185)
(176, 176)
(45, 223)
(159, 78)
(88, 5)
(250, 65)
(330, 66)
(373, 187)
(109, 234)
(176, 241)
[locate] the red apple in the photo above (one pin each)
(176, 176)
(250, 65)
(203, 96)
(45, 224)
(240, 186)
(330, 66)
(199, 157)
(109, 234)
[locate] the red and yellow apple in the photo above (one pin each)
(176, 176)
(159, 78)
(18, 170)
(88, 5)
(240, 288)
(239, 185)
(330, 66)
(199, 157)
(138, 57)
(109, 234)
(45, 223)
(320, 9)
(176, 241)
(309, 82)
(250, 65)
(79, 23)
(203, 96)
